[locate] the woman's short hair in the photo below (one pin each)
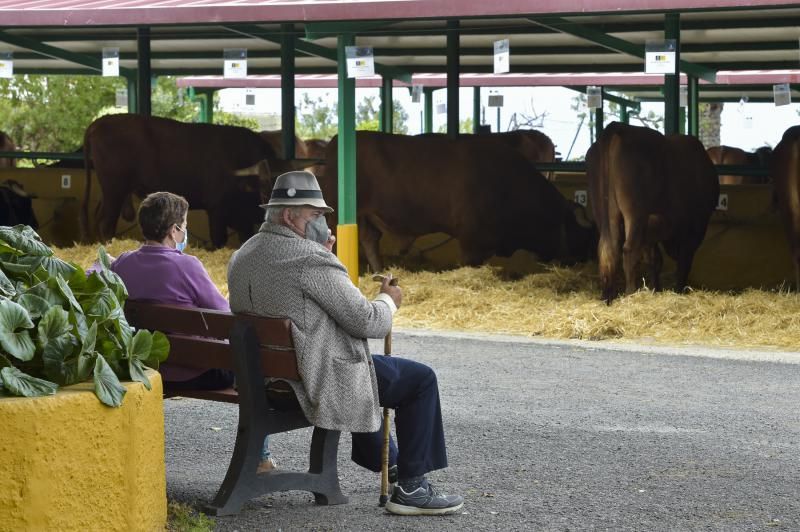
(159, 211)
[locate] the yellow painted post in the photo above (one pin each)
(347, 248)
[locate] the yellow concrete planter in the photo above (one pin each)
(67, 462)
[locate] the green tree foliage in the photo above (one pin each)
(464, 126)
(50, 113)
(60, 327)
(316, 119)
(319, 120)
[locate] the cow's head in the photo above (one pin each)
(17, 206)
(242, 206)
(580, 233)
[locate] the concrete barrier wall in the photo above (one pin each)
(67, 462)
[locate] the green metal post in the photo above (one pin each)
(347, 231)
(682, 120)
(599, 117)
(693, 104)
(387, 106)
(453, 71)
(144, 87)
(428, 104)
(672, 81)
(205, 97)
(476, 109)
(131, 81)
(287, 90)
(623, 114)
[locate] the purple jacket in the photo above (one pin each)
(158, 274)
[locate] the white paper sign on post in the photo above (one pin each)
(110, 62)
(659, 57)
(360, 61)
(495, 100)
(683, 96)
(416, 93)
(502, 63)
(594, 97)
(235, 62)
(781, 94)
(6, 64)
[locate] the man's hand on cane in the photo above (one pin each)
(390, 288)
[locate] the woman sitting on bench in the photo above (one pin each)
(159, 272)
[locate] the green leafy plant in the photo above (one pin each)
(59, 326)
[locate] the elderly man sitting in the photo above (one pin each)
(288, 270)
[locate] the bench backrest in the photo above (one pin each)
(199, 337)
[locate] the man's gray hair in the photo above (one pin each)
(274, 213)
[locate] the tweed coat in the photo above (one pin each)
(279, 274)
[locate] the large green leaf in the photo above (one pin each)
(19, 383)
(66, 291)
(90, 339)
(103, 258)
(159, 350)
(141, 344)
(63, 363)
(106, 384)
(6, 286)
(136, 369)
(53, 324)
(49, 291)
(35, 305)
(24, 239)
(18, 344)
(53, 265)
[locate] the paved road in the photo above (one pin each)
(545, 436)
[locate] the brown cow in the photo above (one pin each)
(474, 188)
(139, 154)
(303, 149)
(647, 189)
(534, 145)
(785, 170)
(737, 156)
(6, 144)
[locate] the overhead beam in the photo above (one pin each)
(94, 63)
(614, 43)
(318, 30)
(310, 48)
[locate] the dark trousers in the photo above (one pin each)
(411, 389)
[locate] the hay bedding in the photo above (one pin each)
(558, 303)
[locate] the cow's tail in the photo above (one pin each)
(84, 212)
(601, 202)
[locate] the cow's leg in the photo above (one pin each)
(632, 252)
(217, 229)
(684, 264)
(608, 256)
(656, 263)
(110, 207)
(369, 236)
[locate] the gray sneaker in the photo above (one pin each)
(424, 500)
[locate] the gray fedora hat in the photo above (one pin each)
(295, 189)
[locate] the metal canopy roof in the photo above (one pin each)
(546, 37)
(730, 85)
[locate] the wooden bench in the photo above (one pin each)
(253, 347)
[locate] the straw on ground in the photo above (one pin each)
(558, 303)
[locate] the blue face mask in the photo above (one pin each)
(317, 230)
(180, 246)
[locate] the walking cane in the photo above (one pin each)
(387, 351)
